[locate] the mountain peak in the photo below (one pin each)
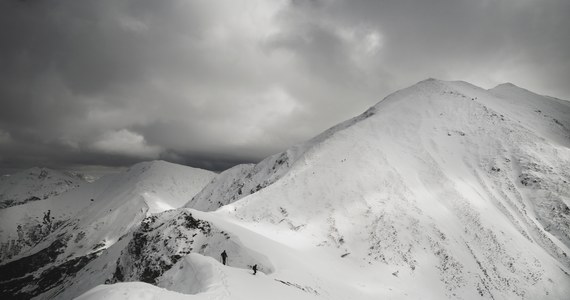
(431, 82)
(144, 166)
(506, 84)
(506, 87)
(431, 79)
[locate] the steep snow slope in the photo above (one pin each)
(35, 184)
(461, 191)
(227, 187)
(243, 180)
(87, 220)
(436, 180)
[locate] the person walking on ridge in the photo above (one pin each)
(224, 257)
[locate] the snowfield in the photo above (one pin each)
(442, 190)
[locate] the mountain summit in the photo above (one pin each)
(442, 190)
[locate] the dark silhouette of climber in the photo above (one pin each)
(254, 269)
(47, 217)
(47, 220)
(224, 257)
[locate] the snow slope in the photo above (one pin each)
(35, 184)
(87, 220)
(443, 181)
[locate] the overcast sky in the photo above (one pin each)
(214, 83)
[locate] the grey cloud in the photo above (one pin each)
(457, 39)
(213, 83)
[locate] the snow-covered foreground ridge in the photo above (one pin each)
(441, 190)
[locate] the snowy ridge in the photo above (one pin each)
(227, 187)
(173, 235)
(243, 180)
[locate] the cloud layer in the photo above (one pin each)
(215, 83)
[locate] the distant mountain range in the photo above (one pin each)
(35, 184)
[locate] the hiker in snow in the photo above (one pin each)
(224, 256)
(46, 217)
(47, 220)
(254, 269)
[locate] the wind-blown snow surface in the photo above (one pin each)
(441, 190)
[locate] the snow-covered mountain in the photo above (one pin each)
(441, 190)
(455, 190)
(35, 184)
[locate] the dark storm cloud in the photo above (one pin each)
(485, 42)
(214, 83)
